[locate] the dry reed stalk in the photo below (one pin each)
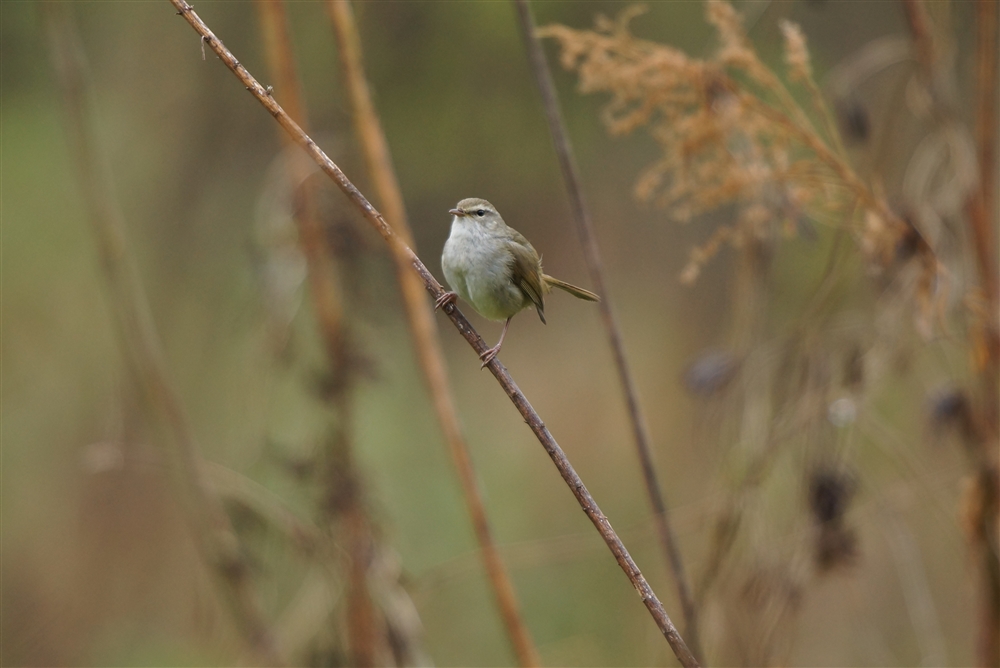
(322, 274)
(987, 19)
(595, 266)
(420, 317)
(214, 536)
(733, 134)
(341, 501)
(982, 500)
(982, 207)
(569, 475)
(981, 211)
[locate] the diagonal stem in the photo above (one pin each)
(592, 255)
(426, 341)
(534, 422)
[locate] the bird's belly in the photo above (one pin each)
(482, 281)
(492, 294)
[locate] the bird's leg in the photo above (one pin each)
(488, 355)
(446, 298)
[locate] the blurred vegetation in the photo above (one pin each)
(98, 567)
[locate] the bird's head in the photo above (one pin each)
(477, 211)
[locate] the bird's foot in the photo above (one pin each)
(488, 355)
(445, 299)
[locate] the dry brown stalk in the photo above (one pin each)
(983, 499)
(981, 210)
(923, 39)
(569, 475)
(341, 501)
(421, 320)
(361, 629)
(731, 132)
(982, 207)
(592, 255)
(323, 284)
(797, 57)
(214, 537)
(987, 18)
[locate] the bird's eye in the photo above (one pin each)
(480, 212)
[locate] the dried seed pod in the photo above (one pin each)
(854, 120)
(830, 494)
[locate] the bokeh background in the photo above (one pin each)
(98, 566)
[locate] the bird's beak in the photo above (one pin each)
(456, 212)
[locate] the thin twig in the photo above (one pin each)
(981, 209)
(553, 551)
(826, 114)
(341, 501)
(534, 422)
(592, 255)
(214, 536)
(421, 320)
(983, 204)
(923, 41)
(987, 20)
(324, 289)
(824, 154)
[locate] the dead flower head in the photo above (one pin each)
(731, 134)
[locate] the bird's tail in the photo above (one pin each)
(577, 292)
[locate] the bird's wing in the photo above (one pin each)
(526, 272)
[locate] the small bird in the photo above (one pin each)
(494, 268)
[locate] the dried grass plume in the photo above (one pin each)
(731, 134)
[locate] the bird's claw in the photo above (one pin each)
(445, 299)
(488, 355)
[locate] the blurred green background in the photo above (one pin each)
(97, 565)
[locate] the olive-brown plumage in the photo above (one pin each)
(494, 268)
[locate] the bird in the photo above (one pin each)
(495, 269)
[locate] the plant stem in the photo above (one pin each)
(534, 422)
(592, 256)
(341, 502)
(421, 320)
(981, 211)
(984, 539)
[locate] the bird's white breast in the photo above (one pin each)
(476, 265)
